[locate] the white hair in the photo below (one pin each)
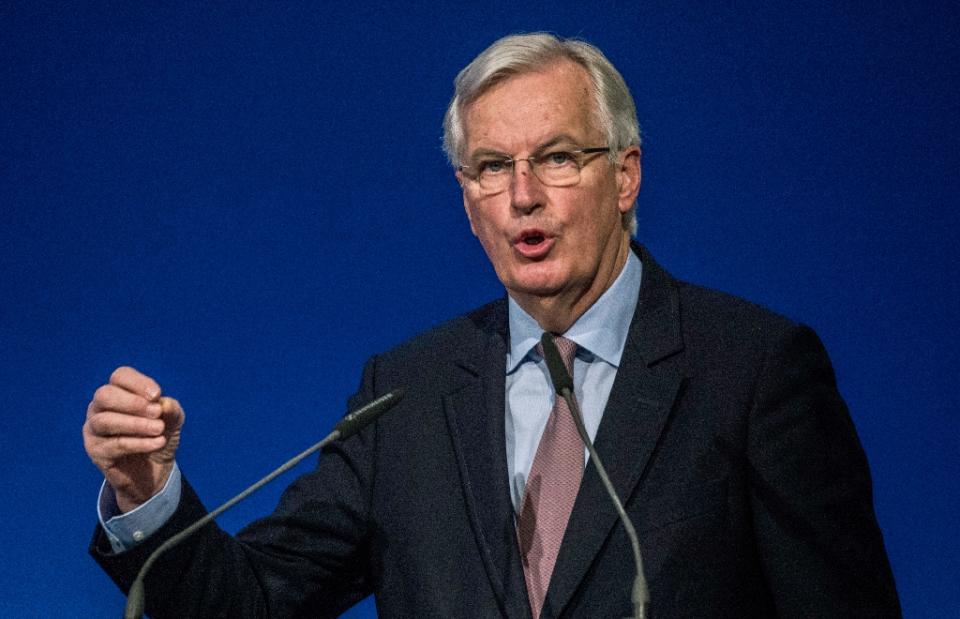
(524, 53)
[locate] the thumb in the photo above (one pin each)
(172, 414)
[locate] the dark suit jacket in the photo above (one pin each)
(724, 433)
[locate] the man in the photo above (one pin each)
(719, 422)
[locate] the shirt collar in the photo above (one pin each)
(602, 330)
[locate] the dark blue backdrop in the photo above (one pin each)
(247, 200)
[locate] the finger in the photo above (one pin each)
(118, 399)
(116, 447)
(118, 424)
(130, 379)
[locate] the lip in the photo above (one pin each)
(533, 252)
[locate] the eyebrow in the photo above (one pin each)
(553, 141)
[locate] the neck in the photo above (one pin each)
(556, 313)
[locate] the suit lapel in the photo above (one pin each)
(647, 382)
(475, 419)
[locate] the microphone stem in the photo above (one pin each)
(640, 595)
(135, 601)
(348, 426)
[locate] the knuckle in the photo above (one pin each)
(96, 449)
(121, 372)
(95, 426)
(102, 394)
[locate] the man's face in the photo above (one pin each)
(546, 241)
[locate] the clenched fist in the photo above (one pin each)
(131, 434)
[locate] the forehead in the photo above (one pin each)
(529, 109)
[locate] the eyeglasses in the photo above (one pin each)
(556, 168)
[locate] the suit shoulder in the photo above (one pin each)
(728, 337)
(721, 318)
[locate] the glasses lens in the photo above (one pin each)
(555, 169)
(494, 174)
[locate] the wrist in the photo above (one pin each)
(131, 496)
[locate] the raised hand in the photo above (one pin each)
(132, 433)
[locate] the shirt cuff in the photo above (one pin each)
(127, 530)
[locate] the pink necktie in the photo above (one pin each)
(551, 489)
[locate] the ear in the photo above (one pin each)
(466, 202)
(628, 177)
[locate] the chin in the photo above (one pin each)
(541, 284)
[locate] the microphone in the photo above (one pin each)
(348, 426)
(563, 383)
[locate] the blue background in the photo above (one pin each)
(245, 200)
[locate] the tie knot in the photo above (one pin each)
(566, 348)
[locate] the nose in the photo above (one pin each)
(526, 191)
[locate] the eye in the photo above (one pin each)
(558, 159)
(489, 167)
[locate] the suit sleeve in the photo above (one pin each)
(820, 545)
(307, 559)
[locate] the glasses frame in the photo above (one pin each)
(534, 161)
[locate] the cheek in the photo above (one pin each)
(591, 227)
(486, 231)
(480, 226)
(483, 221)
(586, 218)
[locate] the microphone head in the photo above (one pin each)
(558, 372)
(358, 419)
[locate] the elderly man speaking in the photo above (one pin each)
(719, 422)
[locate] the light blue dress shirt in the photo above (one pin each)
(600, 334)
(125, 530)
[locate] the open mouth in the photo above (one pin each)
(533, 238)
(533, 243)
